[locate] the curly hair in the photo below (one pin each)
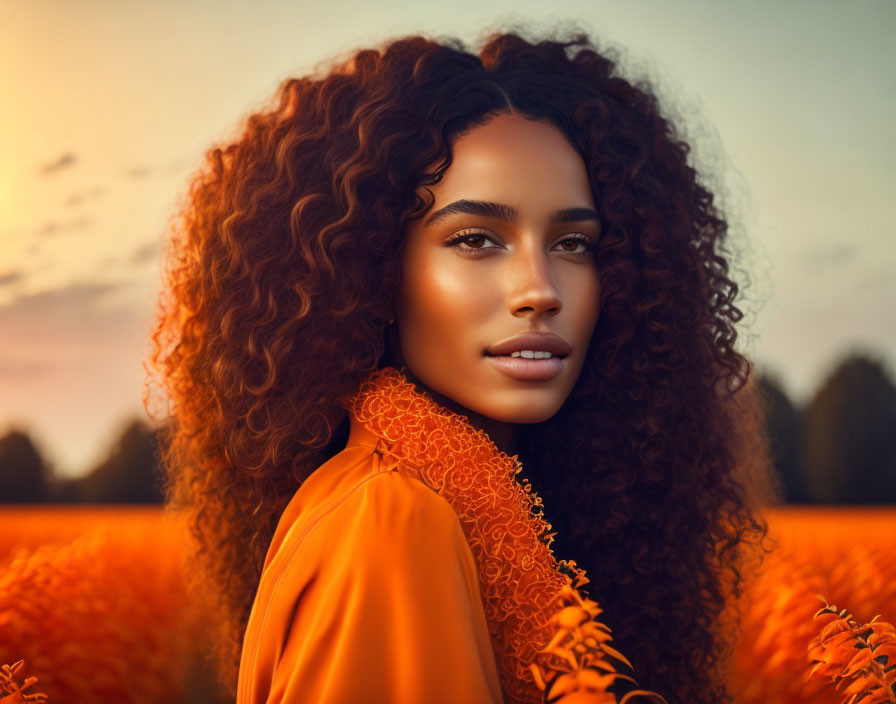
(281, 272)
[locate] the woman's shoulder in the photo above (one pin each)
(382, 568)
(358, 501)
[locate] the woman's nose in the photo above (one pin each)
(531, 287)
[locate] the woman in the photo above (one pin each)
(412, 279)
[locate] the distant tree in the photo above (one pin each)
(23, 473)
(130, 474)
(782, 425)
(849, 435)
(64, 490)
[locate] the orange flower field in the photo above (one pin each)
(92, 598)
(845, 555)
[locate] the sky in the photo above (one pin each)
(108, 108)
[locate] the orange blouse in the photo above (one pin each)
(413, 567)
(369, 594)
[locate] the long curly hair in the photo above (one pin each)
(280, 276)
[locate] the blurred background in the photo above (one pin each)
(108, 107)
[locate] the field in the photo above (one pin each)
(92, 598)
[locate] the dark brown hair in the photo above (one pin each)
(281, 275)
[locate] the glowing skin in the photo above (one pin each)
(470, 281)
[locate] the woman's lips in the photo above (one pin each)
(541, 341)
(524, 369)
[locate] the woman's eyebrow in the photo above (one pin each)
(508, 213)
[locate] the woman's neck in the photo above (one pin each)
(504, 435)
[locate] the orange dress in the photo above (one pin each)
(411, 568)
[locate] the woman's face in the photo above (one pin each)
(499, 291)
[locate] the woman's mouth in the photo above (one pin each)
(529, 356)
(527, 365)
(533, 354)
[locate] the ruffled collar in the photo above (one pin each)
(523, 585)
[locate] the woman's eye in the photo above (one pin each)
(473, 241)
(575, 245)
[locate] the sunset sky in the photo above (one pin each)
(108, 107)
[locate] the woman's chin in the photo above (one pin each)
(522, 410)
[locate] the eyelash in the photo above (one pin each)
(466, 235)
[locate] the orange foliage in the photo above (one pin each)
(583, 642)
(15, 691)
(103, 618)
(849, 555)
(865, 653)
(32, 526)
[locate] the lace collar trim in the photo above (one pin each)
(519, 577)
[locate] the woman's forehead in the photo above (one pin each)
(516, 161)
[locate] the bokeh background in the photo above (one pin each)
(108, 107)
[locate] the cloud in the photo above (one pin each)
(11, 277)
(874, 280)
(19, 369)
(141, 171)
(63, 162)
(146, 253)
(56, 228)
(74, 297)
(39, 329)
(78, 310)
(179, 165)
(81, 196)
(72, 319)
(832, 255)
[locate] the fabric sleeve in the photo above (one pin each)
(392, 611)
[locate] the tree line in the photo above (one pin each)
(839, 448)
(130, 474)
